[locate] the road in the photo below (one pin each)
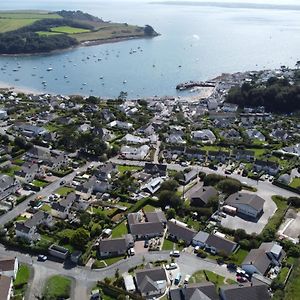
(85, 278)
(45, 192)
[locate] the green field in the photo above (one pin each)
(204, 275)
(69, 30)
(57, 287)
(295, 183)
(64, 191)
(119, 230)
(10, 21)
(22, 275)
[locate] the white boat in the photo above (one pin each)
(125, 81)
(49, 69)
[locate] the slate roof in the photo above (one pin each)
(259, 259)
(204, 194)
(257, 291)
(199, 291)
(7, 264)
(221, 244)
(5, 182)
(115, 245)
(5, 283)
(181, 232)
(252, 200)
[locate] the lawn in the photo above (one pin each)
(295, 183)
(22, 275)
(57, 287)
(112, 260)
(168, 245)
(292, 290)
(46, 208)
(39, 183)
(239, 256)
(64, 191)
(123, 169)
(119, 230)
(12, 170)
(283, 274)
(149, 208)
(69, 30)
(204, 275)
(258, 151)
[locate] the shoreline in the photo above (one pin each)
(19, 89)
(82, 44)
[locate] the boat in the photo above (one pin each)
(125, 81)
(65, 76)
(49, 69)
(84, 83)
(101, 77)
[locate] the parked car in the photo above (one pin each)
(62, 182)
(131, 252)
(146, 244)
(231, 266)
(187, 279)
(42, 257)
(175, 253)
(241, 279)
(171, 266)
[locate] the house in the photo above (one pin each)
(205, 136)
(201, 197)
(30, 131)
(106, 172)
(151, 227)
(200, 239)
(151, 282)
(38, 154)
(254, 134)
(270, 167)
(195, 153)
(253, 291)
(189, 176)
(250, 205)
(134, 139)
(9, 267)
(157, 216)
(175, 138)
(243, 155)
(63, 206)
(27, 229)
(195, 291)
(220, 156)
(8, 185)
(115, 247)
(3, 114)
(230, 134)
(120, 125)
(153, 185)
(218, 243)
(262, 259)
(28, 172)
(179, 231)
(155, 169)
(6, 286)
(279, 134)
(139, 153)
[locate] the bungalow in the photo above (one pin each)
(8, 185)
(254, 134)
(120, 125)
(28, 228)
(196, 153)
(189, 176)
(151, 282)
(139, 153)
(153, 226)
(201, 197)
(115, 247)
(6, 286)
(134, 139)
(9, 267)
(217, 243)
(220, 156)
(262, 259)
(254, 291)
(155, 169)
(204, 290)
(179, 231)
(269, 167)
(247, 204)
(244, 155)
(205, 135)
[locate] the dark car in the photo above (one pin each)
(231, 266)
(62, 182)
(146, 244)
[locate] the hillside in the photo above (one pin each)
(38, 31)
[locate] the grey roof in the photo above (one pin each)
(7, 264)
(65, 202)
(36, 219)
(5, 283)
(201, 236)
(146, 279)
(252, 200)
(181, 232)
(203, 195)
(147, 228)
(115, 245)
(257, 291)
(221, 244)
(197, 291)
(5, 181)
(157, 216)
(259, 259)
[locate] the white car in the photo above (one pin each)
(175, 253)
(171, 266)
(131, 252)
(187, 279)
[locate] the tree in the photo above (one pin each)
(80, 238)
(171, 213)
(229, 186)
(212, 179)
(170, 198)
(294, 201)
(169, 185)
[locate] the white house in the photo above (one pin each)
(138, 153)
(9, 267)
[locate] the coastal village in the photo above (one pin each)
(178, 198)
